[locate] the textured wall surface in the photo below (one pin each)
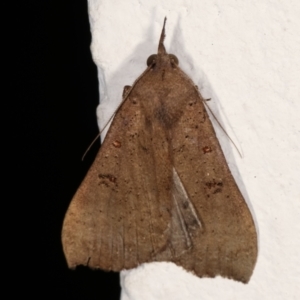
(245, 56)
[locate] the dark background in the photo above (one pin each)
(55, 82)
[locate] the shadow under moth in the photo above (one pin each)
(160, 188)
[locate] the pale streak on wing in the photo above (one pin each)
(184, 218)
(185, 205)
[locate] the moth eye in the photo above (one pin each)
(174, 59)
(151, 59)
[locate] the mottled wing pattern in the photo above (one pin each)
(116, 219)
(227, 243)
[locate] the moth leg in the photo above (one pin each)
(197, 88)
(125, 90)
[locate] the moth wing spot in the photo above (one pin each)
(106, 179)
(217, 191)
(117, 144)
(206, 149)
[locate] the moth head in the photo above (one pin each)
(153, 58)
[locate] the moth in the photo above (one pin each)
(160, 188)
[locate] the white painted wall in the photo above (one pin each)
(245, 55)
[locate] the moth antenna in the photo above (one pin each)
(117, 109)
(90, 146)
(161, 47)
(161, 50)
(235, 146)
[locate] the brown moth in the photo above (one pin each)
(160, 188)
